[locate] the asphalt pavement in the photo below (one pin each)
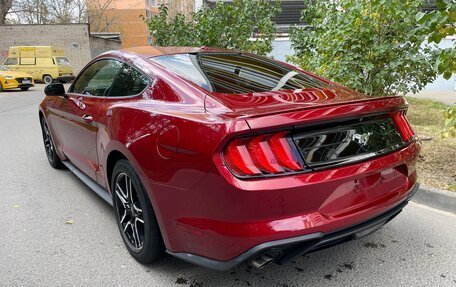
(55, 231)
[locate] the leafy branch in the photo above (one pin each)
(225, 26)
(371, 46)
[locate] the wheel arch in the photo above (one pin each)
(113, 157)
(119, 152)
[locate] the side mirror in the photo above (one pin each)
(54, 90)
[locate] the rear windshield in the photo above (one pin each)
(62, 61)
(236, 73)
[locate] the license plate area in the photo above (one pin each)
(365, 192)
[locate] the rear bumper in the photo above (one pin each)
(222, 217)
(285, 249)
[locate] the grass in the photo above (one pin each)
(437, 162)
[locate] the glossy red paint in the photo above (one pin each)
(174, 134)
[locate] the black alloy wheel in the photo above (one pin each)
(130, 211)
(49, 146)
(134, 215)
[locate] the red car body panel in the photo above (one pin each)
(174, 133)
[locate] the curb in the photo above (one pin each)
(436, 198)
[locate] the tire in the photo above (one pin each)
(1, 87)
(134, 212)
(47, 79)
(49, 147)
(25, 89)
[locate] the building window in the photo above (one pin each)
(148, 15)
(152, 2)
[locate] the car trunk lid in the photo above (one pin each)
(294, 108)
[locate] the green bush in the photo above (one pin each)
(371, 46)
(439, 24)
(225, 26)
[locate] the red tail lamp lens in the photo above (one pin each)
(238, 158)
(284, 153)
(262, 155)
(403, 125)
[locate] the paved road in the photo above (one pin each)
(37, 247)
(445, 97)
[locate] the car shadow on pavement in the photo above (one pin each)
(355, 263)
(325, 265)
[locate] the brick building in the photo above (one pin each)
(127, 17)
(185, 7)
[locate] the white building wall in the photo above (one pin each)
(198, 4)
(440, 84)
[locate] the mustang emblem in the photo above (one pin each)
(361, 139)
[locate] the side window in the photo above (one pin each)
(44, 61)
(129, 82)
(11, 61)
(97, 78)
(27, 61)
(62, 61)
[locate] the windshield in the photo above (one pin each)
(3, 68)
(62, 61)
(236, 73)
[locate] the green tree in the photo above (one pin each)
(371, 46)
(439, 24)
(173, 32)
(5, 7)
(225, 26)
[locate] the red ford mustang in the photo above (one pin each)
(222, 157)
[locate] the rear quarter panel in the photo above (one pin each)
(169, 143)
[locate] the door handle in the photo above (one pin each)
(87, 118)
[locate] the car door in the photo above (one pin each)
(128, 86)
(79, 114)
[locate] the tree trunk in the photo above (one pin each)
(5, 6)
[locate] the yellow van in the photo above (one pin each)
(44, 63)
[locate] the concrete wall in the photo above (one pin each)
(282, 47)
(74, 38)
(99, 46)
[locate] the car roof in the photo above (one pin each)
(152, 51)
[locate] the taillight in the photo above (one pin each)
(263, 155)
(403, 125)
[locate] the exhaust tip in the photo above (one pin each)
(264, 259)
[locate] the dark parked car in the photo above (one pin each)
(222, 157)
